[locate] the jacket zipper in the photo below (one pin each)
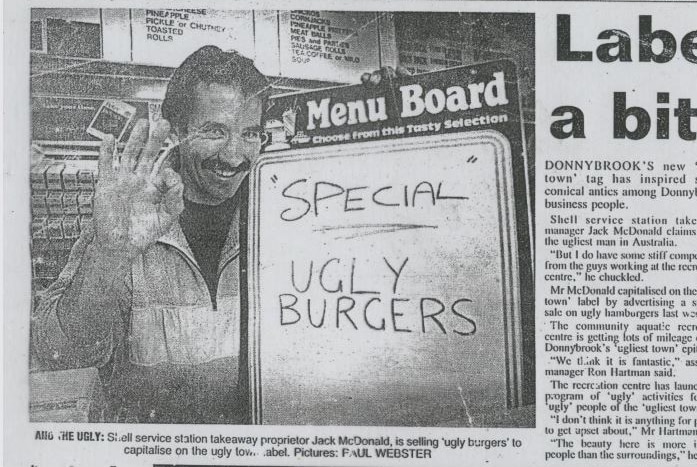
(213, 303)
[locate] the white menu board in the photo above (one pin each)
(383, 283)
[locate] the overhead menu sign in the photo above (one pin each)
(400, 290)
(468, 98)
(167, 36)
(328, 44)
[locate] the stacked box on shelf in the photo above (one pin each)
(70, 179)
(54, 202)
(84, 203)
(85, 200)
(38, 204)
(85, 180)
(38, 176)
(54, 177)
(41, 259)
(61, 202)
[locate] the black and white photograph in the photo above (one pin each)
(282, 217)
(350, 234)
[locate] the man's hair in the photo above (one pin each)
(208, 65)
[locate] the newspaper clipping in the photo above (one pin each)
(320, 233)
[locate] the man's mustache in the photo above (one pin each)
(217, 162)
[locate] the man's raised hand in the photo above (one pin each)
(134, 207)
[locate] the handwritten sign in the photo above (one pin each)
(389, 254)
(391, 299)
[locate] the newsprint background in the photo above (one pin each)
(532, 286)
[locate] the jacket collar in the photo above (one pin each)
(175, 237)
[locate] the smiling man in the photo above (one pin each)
(151, 295)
